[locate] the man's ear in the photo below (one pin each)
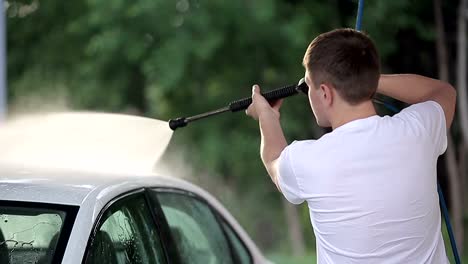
(327, 94)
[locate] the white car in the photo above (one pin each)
(71, 217)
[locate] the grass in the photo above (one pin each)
(311, 259)
(288, 259)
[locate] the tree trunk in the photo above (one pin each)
(455, 193)
(462, 172)
(455, 196)
(295, 231)
(440, 42)
(461, 69)
(461, 83)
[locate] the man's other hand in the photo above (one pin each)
(261, 107)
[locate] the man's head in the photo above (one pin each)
(342, 67)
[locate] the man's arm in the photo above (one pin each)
(413, 89)
(272, 144)
(273, 141)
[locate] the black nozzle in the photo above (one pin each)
(302, 86)
(178, 122)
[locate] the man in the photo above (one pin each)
(371, 183)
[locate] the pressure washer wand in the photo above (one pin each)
(242, 104)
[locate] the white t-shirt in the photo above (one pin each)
(371, 187)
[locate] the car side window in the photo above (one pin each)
(126, 234)
(238, 247)
(196, 232)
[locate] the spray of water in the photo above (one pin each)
(85, 141)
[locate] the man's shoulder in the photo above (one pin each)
(427, 107)
(308, 147)
(302, 144)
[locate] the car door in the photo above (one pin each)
(200, 234)
(126, 232)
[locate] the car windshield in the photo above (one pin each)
(29, 232)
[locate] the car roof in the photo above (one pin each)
(68, 187)
(92, 191)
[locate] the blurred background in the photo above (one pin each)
(170, 58)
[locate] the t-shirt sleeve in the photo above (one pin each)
(287, 180)
(430, 116)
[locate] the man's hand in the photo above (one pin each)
(261, 107)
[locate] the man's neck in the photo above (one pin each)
(346, 113)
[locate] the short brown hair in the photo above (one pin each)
(348, 60)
